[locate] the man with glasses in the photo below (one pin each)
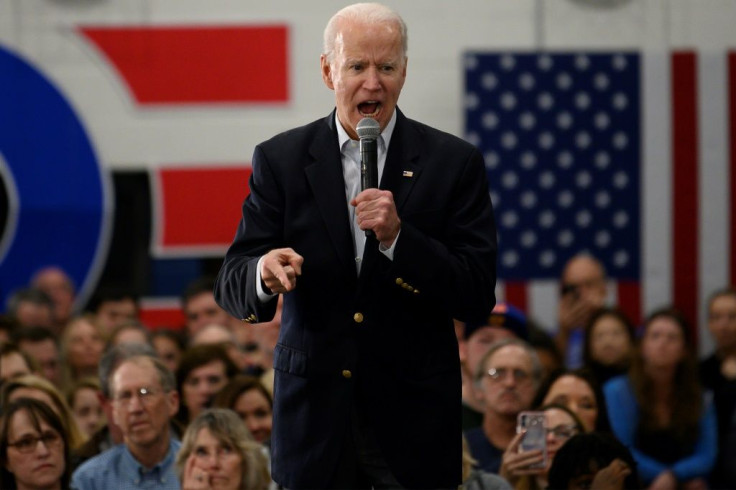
(507, 378)
(144, 401)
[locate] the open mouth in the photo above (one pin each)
(369, 108)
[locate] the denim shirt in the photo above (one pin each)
(117, 468)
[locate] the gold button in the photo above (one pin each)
(410, 289)
(416, 291)
(358, 317)
(399, 281)
(405, 286)
(346, 374)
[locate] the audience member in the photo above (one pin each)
(8, 326)
(200, 308)
(38, 388)
(247, 397)
(609, 344)
(24, 463)
(144, 402)
(31, 307)
(42, 345)
(546, 348)
(528, 469)
(82, 345)
(203, 372)
(507, 377)
(129, 333)
(215, 334)
(658, 410)
(594, 461)
(84, 401)
(505, 322)
(14, 362)
(111, 307)
(579, 391)
(582, 291)
(219, 452)
(476, 479)
(57, 284)
(170, 346)
(718, 374)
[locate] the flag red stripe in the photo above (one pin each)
(198, 64)
(201, 206)
(732, 155)
(515, 293)
(685, 183)
(629, 299)
(155, 318)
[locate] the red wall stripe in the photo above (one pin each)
(515, 293)
(685, 184)
(164, 65)
(629, 299)
(732, 154)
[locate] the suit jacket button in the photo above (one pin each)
(346, 374)
(358, 317)
(399, 281)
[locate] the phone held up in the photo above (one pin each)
(534, 424)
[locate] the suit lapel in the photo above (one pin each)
(402, 170)
(328, 186)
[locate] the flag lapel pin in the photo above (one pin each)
(407, 173)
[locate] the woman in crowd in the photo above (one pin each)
(609, 344)
(577, 390)
(84, 401)
(562, 424)
(38, 388)
(170, 346)
(82, 345)
(217, 450)
(34, 448)
(247, 397)
(658, 410)
(204, 370)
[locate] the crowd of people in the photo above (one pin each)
(112, 400)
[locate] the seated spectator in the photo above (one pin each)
(82, 345)
(718, 374)
(60, 288)
(111, 307)
(41, 344)
(84, 401)
(658, 409)
(38, 388)
(596, 461)
(14, 362)
(25, 465)
(520, 467)
(31, 307)
(248, 398)
(170, 346)
(505, 322)
(609, 344)
(577, 390)
(130, 333)
(507, 378)
(200, 308)
(144, 402)
(221, 335)
(203, 372)
(477, 479)
(218, 452)
(546, 348)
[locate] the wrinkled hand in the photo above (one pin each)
(194, 477)
(612, 476)
(375, 210)
(574, 312)
(514, 464)
(280, 268)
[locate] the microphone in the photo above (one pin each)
(368, 131)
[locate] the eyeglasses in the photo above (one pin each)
(28, 444)
(519, 375)
(146, 396)
(564, 431)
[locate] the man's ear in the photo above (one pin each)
(326, 70)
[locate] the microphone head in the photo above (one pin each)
(368, 128)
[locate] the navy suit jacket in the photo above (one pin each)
(385, 339)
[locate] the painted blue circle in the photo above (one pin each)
(60, 188)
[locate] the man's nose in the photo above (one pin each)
(372, 80)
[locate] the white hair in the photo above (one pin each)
(362, 12)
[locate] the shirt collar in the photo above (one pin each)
(343, 138)
(135, 470)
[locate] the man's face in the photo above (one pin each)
(367, 73)
(201, 386)
(141, 408)
(58, 286)
(202, 310)
(46, 354)
(513, 390)
(32, 314)
(722, 322)
(478, 344)
(584, 278)
(112, 313)
(13, 365)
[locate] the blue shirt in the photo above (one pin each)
(117, 468)
(488, 456)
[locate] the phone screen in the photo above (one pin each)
(534, 424)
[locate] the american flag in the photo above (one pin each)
(628, 156)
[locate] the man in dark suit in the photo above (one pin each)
(367, 384)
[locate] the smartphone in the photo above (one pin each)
(534, 424)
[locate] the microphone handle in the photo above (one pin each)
(368, 167)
